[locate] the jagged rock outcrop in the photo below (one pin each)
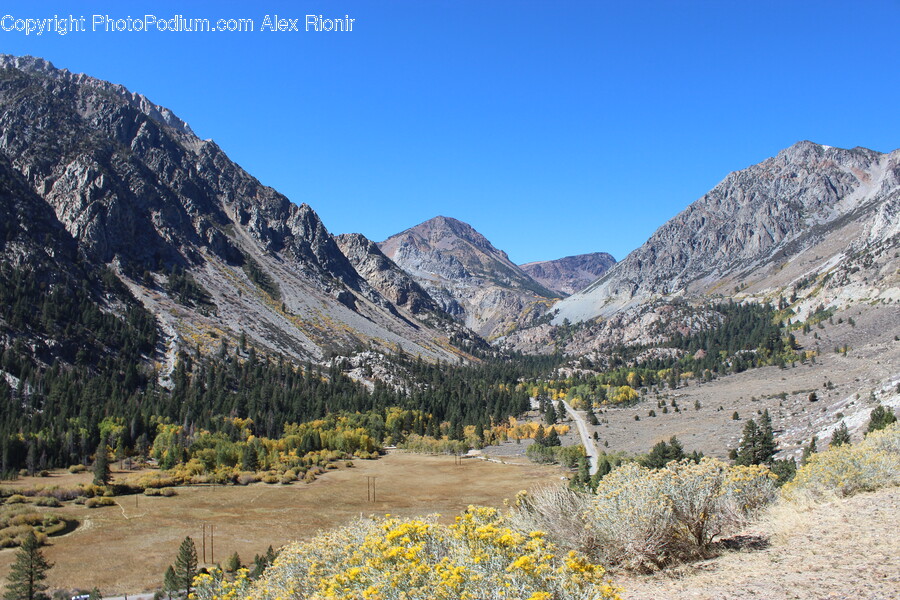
(381, 273)
(468, 276)
(807, 215)
(570, 274)
(136, 189)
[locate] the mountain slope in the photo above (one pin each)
(138, 191)
(809, 215)
(468, 276)
(570, 274)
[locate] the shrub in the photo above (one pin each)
(846, 470)
(47, 501)
(246, 478)
(479, 556)
(16, 499)
(77, 469)
(557, 510)
(99, 501)
(643, 519)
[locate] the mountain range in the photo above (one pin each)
(98, 180)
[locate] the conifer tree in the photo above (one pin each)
(233, 563)
(101, 466)
(552, 438)
(28, 572)
(840, 436)
(539, 436)
(170, 584)
(185, 568)
(880, 417)
(809, 450)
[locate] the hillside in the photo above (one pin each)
(468, 277)
(570, 274)
(203, 246)
(836, 550)
(815, 220)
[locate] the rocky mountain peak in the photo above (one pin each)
(797, 215)
(467, 275)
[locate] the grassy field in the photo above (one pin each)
(126, 548)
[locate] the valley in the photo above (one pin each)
(132, 542)
(161, 305)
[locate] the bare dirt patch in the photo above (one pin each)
(126, 548)
(846, 549)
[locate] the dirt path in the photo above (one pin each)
(590, 448)
(847, 549)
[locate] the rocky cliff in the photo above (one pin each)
(570, 274)
(817, 222)
(138, 191)
(468, 276)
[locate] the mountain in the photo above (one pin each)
(213, 254)
(468, 276)
(817, 223)
(570, 274)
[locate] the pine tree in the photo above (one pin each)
(27, 572)
(101, 466)
(185, 568)
(233, 563)
(840, 436)
(170, 584)
(767, 445)
(552, 438)
(809, 450)
(880, 417)
(746, 452)
(539, 436)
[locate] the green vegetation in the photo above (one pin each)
(262, 279)
(26, 576)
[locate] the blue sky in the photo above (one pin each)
(554, 127)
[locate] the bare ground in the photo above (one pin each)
(841, 550)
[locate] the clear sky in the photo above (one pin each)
(554, 127)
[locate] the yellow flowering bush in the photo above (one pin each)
(476, 558)
(643, 518)
(846, 470)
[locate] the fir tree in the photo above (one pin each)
(170, 584)
(880, 417)
(185, 568)
(840, 436)
(552, 438)
(101, 466)
(809, 450)
(28, 572)
(233, 563)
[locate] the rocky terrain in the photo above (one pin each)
(819, 220)
(137, 191)
(468, 277)
(570, 274)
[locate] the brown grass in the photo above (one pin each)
(126, 548)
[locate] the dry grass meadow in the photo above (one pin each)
(126, 548)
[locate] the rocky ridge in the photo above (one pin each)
(570, 274)
(813, 216)
(138, 191)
